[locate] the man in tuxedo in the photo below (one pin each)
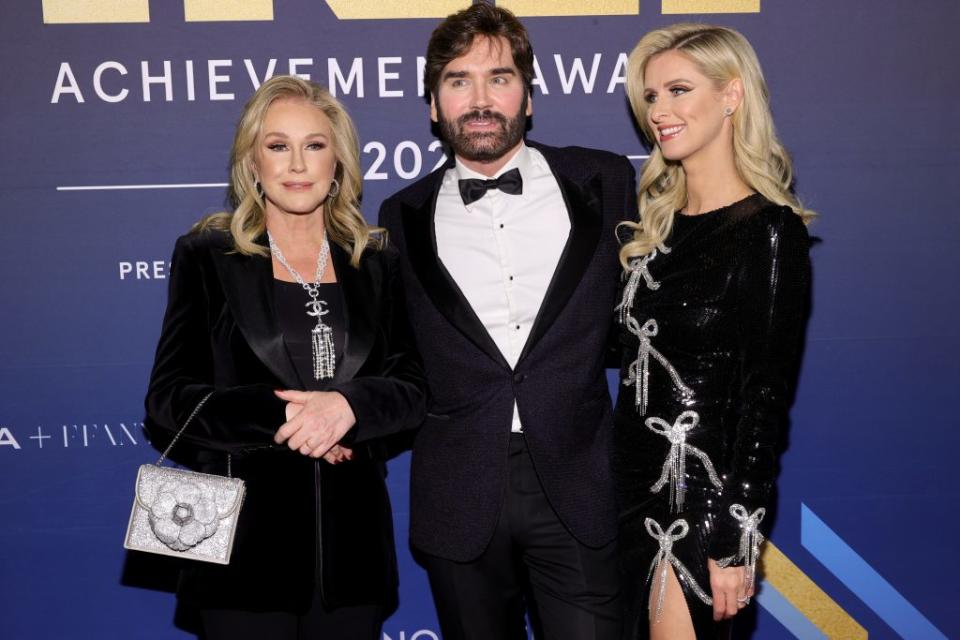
(509, 260)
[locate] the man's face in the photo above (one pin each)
(481, 103)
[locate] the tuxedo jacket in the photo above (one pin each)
(304, 522)
(458, 467)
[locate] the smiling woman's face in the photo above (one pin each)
(685, 110)
(294, 159)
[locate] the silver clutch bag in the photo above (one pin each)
(182, 513)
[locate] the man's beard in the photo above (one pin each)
(484, 146)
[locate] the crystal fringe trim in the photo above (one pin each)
(638, 375)
(675, 466)
(677, 531)
(637, 270)
(750, 539)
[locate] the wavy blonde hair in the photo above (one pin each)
(722, 55)
(342, 219)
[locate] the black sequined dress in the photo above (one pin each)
(711, 341)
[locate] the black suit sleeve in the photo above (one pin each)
(234, 419)
(393, 397)
(627, 180)
(387, 218)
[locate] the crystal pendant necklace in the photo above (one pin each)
(324, 356)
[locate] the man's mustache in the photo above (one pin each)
(486, 114)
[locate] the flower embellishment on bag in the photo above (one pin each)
(182, 513)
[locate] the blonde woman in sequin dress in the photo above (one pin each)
(711, 320)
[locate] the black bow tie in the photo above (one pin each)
(472, 189)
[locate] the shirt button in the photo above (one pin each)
(501, 225)
(511, 277)
(518, 327)
(519, 377)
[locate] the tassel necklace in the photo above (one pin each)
(324, 356)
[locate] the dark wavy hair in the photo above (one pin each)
(455, 35)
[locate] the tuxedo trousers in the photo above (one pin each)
(533, 566)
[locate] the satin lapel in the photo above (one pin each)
(586, 219)
(359, 308)
(443, 291)
(248, 288)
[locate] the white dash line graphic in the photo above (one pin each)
(124, 187)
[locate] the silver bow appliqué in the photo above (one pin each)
(675, 466)
(750, 539)
(677, 531)
(638, 375)
(637, 270)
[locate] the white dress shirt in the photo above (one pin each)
(502, 250)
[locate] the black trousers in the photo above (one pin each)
(532, 565)
(318, 623)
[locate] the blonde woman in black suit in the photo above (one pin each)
(289, 310)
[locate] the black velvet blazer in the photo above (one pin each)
(458, 469)
(304, 522)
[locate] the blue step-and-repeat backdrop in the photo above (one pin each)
(116, 118)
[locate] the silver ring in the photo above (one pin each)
(744, 600)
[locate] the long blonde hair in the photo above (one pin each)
(722, 55)
(342, 219)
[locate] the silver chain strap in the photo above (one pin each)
(193, 414)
